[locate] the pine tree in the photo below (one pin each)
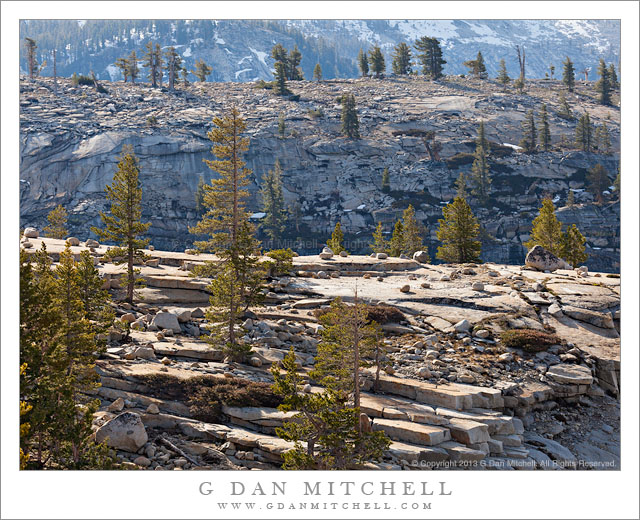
(573, 249)
(294, 72)
(603, 85)
(543, 129)
(134, 71)
(363, 63)
(173, 65)
(386, 185)
(279, 53)
(202, 71)
(528, 141)
(151, 63)
(58, 347)
(477, 66)
(336, 241)
(32, 62)
(401, 63)
(613, 77)
(380, 243)
(430, 56)
(396, 244)
(281, 125)
(122, 224)
(237, 278)
(280, 85)
(552, 70)
(546, 230)
(603, 140)
(519, 84)
(568, 74)
(503, 77)
(123, 65)
(350, 124)
(458, 233)
(185, 76)
(200, 207)
(584, 133)
(273, 203)
(480, 178)
(57, 227)
(597, 181)
(317, 72)
(571, 199)
(376, 62)
(461, 186)
(565, 110)
(412, 232)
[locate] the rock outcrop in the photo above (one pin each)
(70, 142)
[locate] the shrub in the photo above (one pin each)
(499, 150)
(316, 113)
(459, 159)
(81, 80)
(206, 395)
(613, 275)
(282, 262)
(380, 313)
(152, 120)
(529, 339)
(262, 84)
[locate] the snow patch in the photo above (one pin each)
(414, 29)
(81, 23)
(219, 40)
(187, 52)
(114, 72)
(258, 215)
(261, 55)
(242, 71)
(514, 146)
(245, 58)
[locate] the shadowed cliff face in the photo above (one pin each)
(70, 143)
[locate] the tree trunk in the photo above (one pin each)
(130, 279)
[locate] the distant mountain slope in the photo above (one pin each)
(240, 50)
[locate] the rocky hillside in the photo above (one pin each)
(240, 50)
(70, 142)
(453, 394)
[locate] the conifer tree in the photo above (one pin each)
(173, 65)
(430, 56)
(58, 348)
(350, 124)
(519, 84)
(552, 70)
(386, 184)
(279, 53)
(123, 65)
(396, 244)
(281, 125)
(202, 71)
(571, 199)
(317, 72)
(132, 62)
(122, 224)
(380, 243)
(363, 63)
(616, 184)
(565, 110)
(237, 278)
(336, 241)
(603, 85)
(458, 233)
(273, 203)
(568, 74)
(185, 76)
(480, 178)
(401, 63)
(153, 63)
(613, 77)
(597, 181)
(200, 207)
(293, 62)
(603, 140)
(412, 232)
(280, 84)
(573, 249)
(57, 227)
(584, 133)
(543, 129)
(547, 230)
(376, 62)
(477, 66)
(503, 77)
(32, 62)
(461, 186)
(528, 141)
